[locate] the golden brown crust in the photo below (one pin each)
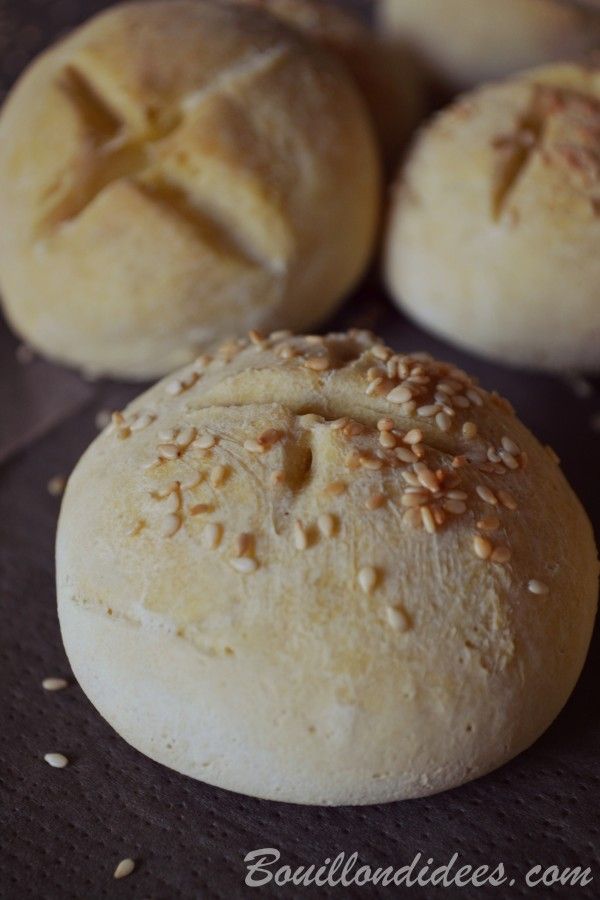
(359, 576)
(173, 168)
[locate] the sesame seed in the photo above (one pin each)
(335, 488)
(486, 495)
(125, 868)
(375, 501)
(397, 618)
(508, 459)
(317, 363)
(381, 352)
(456, 507)
(185, 437)
(300, 536)
(200, 508)
(400, 394)
(443, 421)
(500, 554)
(427, 478)
(353, 429)
(244, 564)
(428, 520)
(510, 446)
(174, 387)
(537, 587)
(253, 446)
(171, 525)
(167, 435)
(218, 475)
(54, 684)
(244, 544)
(489, 523)
(326, 524)
(507, 500)
(371, 464)
(142, 421)
(385, 424)
(205, 441)
(457, 495)
(211, 535)
(313, 339)
(469, 430)
(367, 579)
(56, 760)
(168, 451)
(193, 481)
(56, 485)
(405, 455)
(460, 401)
(429, 410)
(387, 439)
(474, 397)
(414, 436)
(482, 547)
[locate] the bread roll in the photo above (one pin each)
(176, 170)
(465, 42)
(495, 225)
(387, 76)
(311, 570)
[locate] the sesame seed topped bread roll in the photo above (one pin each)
(494, 229)
(465, 42)
(313, 570)
(389, 80)
(175, 171)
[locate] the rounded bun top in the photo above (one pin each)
(466, 42)
(380, 582)
(495, 226)
(388, 77)
(171, 167)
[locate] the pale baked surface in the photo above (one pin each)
(389, 78)
(262, 586)
(494, 225)
(171, 168)
(465, 42)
